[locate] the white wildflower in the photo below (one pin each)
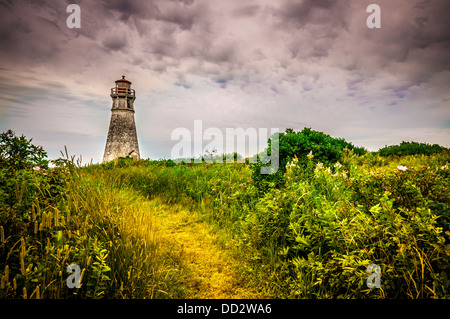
(402, 168)
(337, 165)
(310, 155)
(293, 163)
(319, 166)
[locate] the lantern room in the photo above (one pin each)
(123, 95)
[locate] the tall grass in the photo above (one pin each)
(222, 191)
(105, 230)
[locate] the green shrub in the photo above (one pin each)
(410, 148)
(18, 153)
(322, 147)
(32, 215)
(319, 234)
(53, 217)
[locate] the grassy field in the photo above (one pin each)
(156, 229)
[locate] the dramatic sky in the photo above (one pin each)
(230, 63)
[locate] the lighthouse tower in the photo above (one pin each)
(122, 137)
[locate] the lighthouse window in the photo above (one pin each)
(128, 104)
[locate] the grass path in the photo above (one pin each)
(207, 269)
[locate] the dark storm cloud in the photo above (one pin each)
(128, 8)
(410, 28)
(115, 43)
(320, 24)
(300, 13)
(180, 13)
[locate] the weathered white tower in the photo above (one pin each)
(122, 137)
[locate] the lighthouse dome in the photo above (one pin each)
(123, 79)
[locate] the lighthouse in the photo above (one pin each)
(122, 137)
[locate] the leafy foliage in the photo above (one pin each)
(53, 217)
(18, 153)
(410, 148)
(322, 147)
(321, 233)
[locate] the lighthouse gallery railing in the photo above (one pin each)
(117, 90)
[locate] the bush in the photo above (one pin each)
(410, 148)
(53, 217)
(32, 215)
(319, 234)
(18, 153)
(301, 145)
(25, 179)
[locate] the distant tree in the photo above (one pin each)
(19, 153)
(410, 148)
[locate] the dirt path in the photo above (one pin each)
(208, 269)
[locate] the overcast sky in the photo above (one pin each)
(230, 63)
